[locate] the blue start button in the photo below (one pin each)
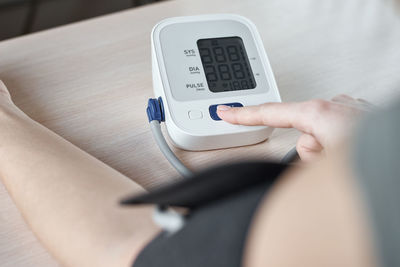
(213, 109)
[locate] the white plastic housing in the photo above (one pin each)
(206, 133)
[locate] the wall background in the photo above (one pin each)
(18, 17)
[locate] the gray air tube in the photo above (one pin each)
(166, 150)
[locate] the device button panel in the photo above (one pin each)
(213, 109)
(195, 114)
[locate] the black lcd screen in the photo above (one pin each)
(226, 64)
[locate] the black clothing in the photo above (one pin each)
(222, 202)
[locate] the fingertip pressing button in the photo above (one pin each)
(213, 109)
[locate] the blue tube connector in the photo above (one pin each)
(155, 110)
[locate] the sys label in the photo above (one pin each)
(189, 52)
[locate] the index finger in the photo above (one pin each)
(278, 115)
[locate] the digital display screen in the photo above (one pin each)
(226, 65)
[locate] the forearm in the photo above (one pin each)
(69, 198)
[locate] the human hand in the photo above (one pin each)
(322, 123)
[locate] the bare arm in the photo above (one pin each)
(69, 198)
(315, 216)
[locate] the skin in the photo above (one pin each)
(69, 198)
(313, 217)
(322, 123)
(315, 214)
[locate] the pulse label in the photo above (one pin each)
(196, 86)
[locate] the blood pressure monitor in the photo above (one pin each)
(200, 62)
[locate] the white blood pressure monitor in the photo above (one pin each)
(199, 62)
